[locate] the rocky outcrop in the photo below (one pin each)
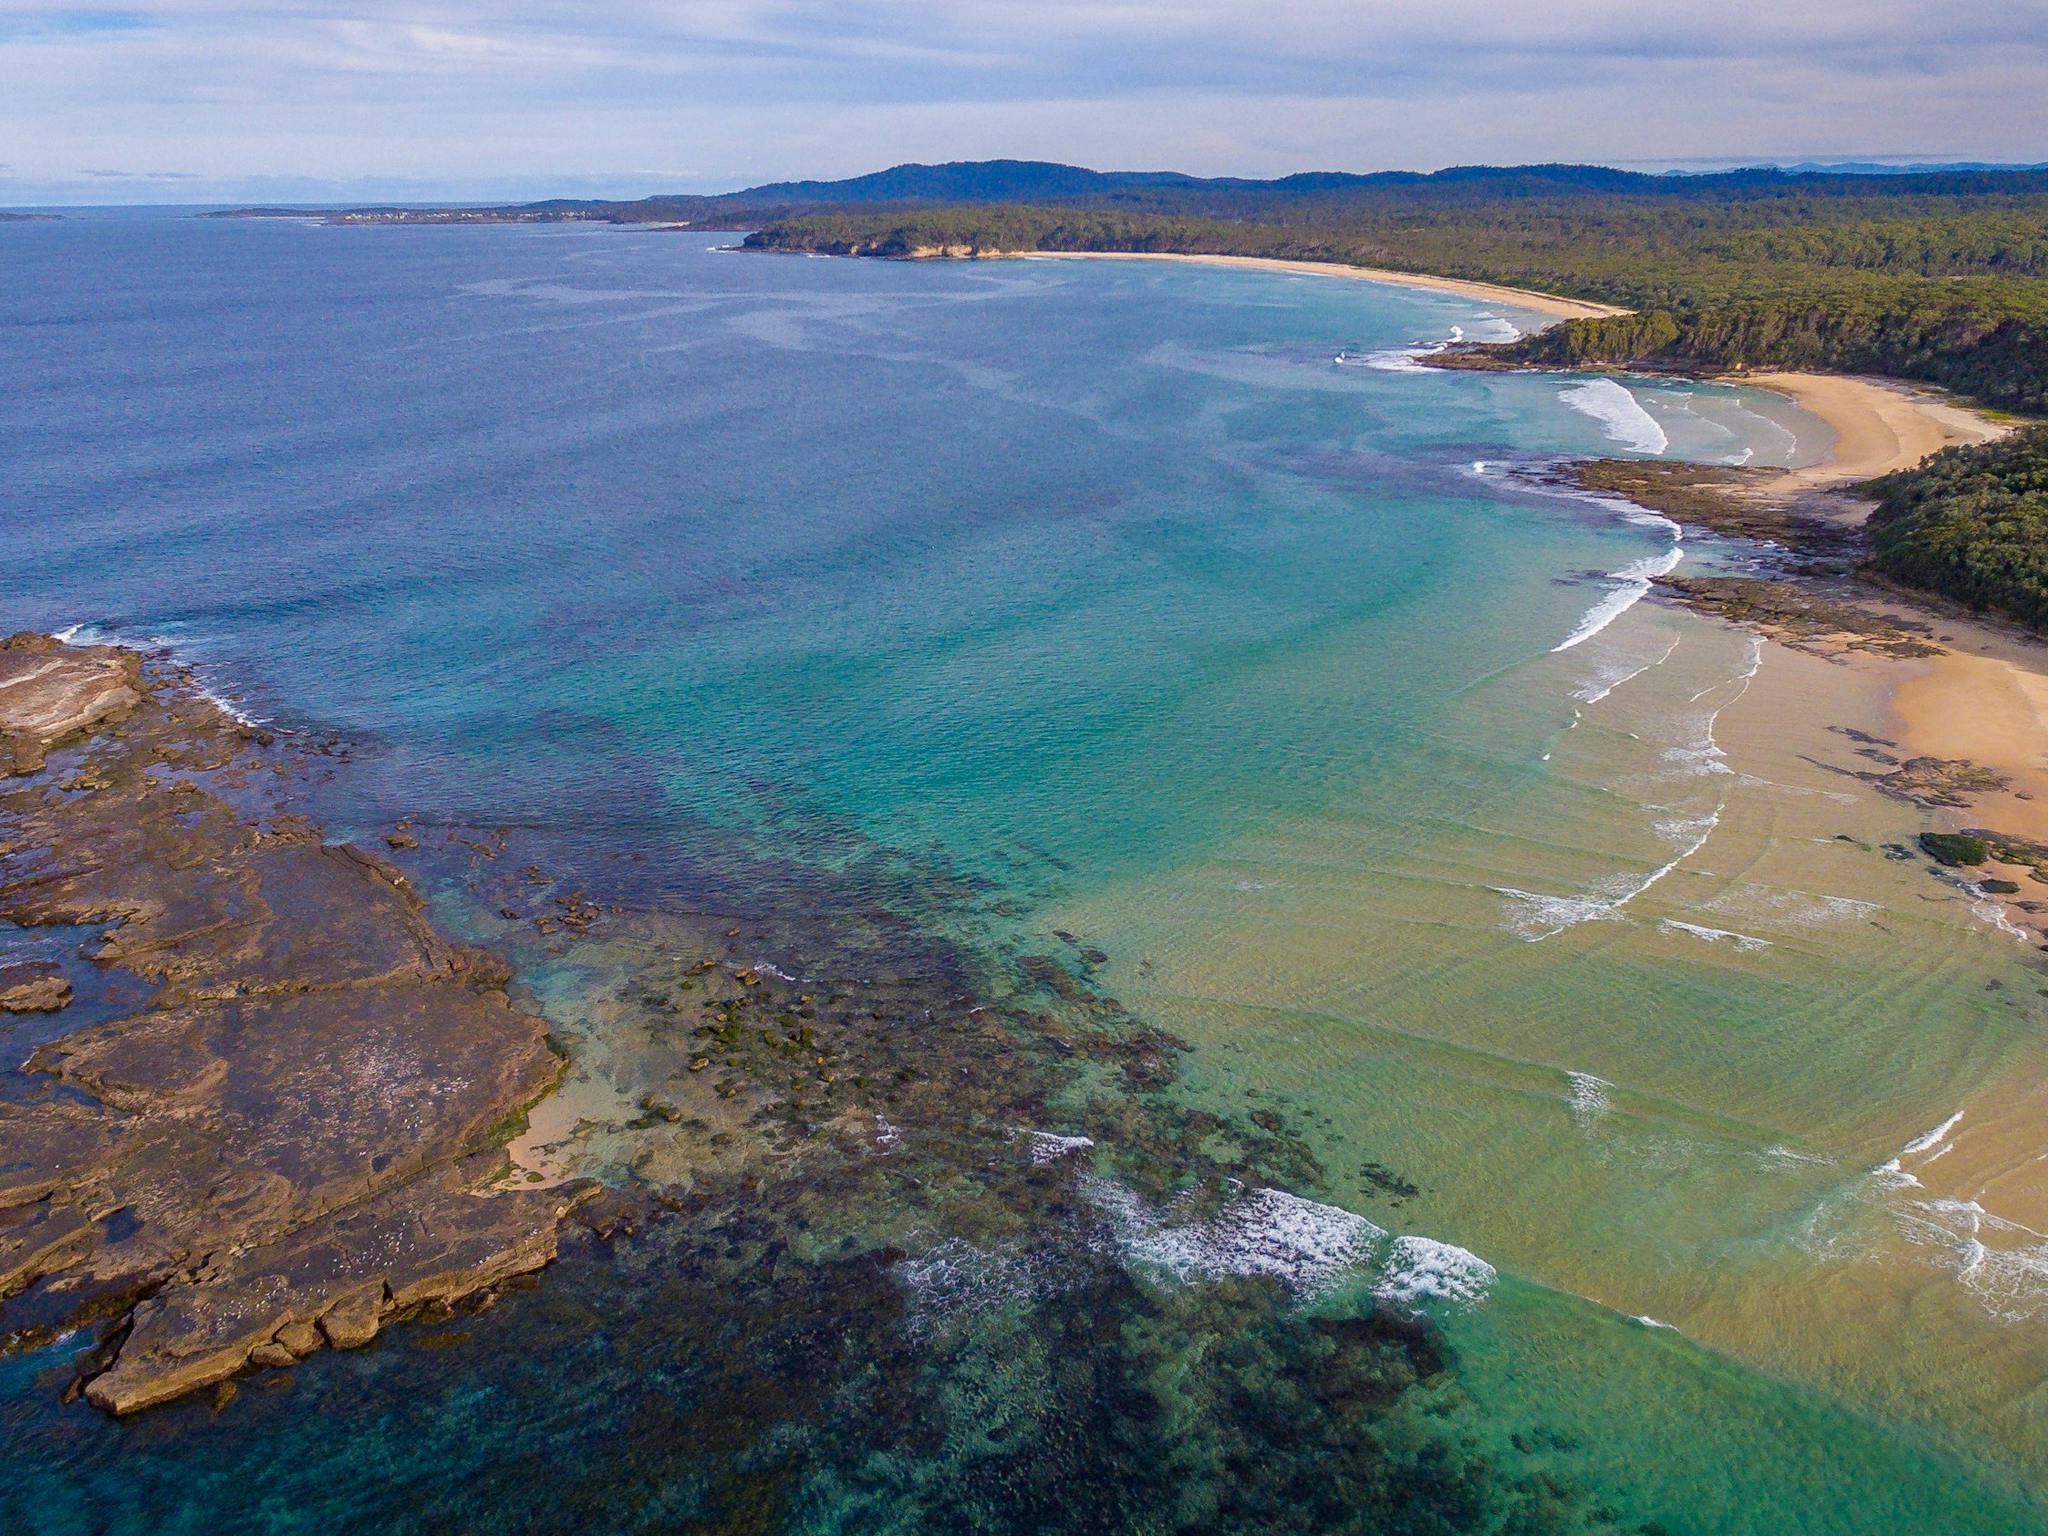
(51, 692)
(297, 1142)
(35, 986)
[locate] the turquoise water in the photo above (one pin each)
(913, 615)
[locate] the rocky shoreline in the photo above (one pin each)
(295, 1139)
(1812, 590)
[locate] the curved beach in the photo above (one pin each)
(1551, 304)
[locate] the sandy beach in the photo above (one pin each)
(1985, 700)
(1520, 298)
(1880, 425)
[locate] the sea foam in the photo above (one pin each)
(1423, 1269)
(1620, 414)
(1255, 1232)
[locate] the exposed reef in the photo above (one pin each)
(294, 1141)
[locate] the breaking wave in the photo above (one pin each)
(1620, 414)
(1423, 1269)
(1308, 1245)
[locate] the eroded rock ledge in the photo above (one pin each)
(299, 1139)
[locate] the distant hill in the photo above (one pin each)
(1050, 184)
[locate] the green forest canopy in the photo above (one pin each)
(1971, 523)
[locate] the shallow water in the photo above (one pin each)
(912, 617)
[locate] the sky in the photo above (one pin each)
(215, 100)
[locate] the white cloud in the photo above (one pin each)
(463, 93)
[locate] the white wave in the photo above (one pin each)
(1605, 681)
(1653, 1322)
(1703, 754)
(1990, 910)
(1802, 909)
(955, 1276)
(1985, 907)
(1049, 1148)
(1408, 359)
(1893, 1173)
(1304, 1243)
(89, 633)
(1389, 359)
(1742, 941)
(1788, 1157)
(1752, 664)
(1935, 1137)
(1589, 1095)
(229, 707)
(1620, 414)
(1536, 917)
(1423, 1269)
(1256, 1232)
(2002, 1263)
(1631, 585)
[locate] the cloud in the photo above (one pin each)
(459, 93)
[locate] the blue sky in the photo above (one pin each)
(193, 100)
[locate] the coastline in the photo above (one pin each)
(1965, 695)
(1982, 698)
(1880, 425)
(1522, 298)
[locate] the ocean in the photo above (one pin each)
(1517, 1086)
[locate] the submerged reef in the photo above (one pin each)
(893, 1234)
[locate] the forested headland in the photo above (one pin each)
(1971, 523)
(1940, 278)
